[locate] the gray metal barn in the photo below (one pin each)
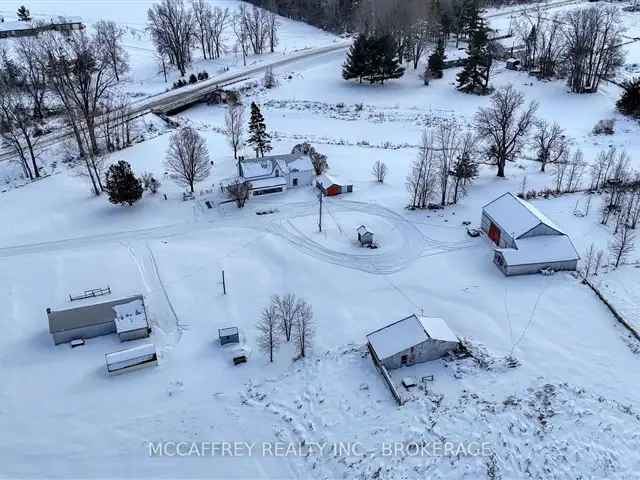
(527, 240)
(411, 340)
(87, 319)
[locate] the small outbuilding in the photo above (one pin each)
(526, 240)
(513, 64)
(87, 319)
(365, 237)
(130, 359)
(411, 340)
(228, 335)
(330, 186)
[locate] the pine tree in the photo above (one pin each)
(24, 15)
(629, 102)
(436, 61)
(386, 60)
(122, 185)
(259, 138)
(356, 64)
(474, 77)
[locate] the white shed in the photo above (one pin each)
(411, 340)
(527, 240)
(133, 358)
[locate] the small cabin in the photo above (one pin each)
(365, 237)
(123, 361)
(228, 335)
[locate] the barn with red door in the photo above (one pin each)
(527, 241)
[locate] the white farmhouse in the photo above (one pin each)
(274, 174)
(527, 240)
(411, 340)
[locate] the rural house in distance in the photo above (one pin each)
(527, 240)
(274, 174)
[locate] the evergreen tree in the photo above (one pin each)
(385, 60)
(122, 185)
(629, 102)
(356, 64)
(259, 138)
(474, 77)
(24, 15)
(436, 61)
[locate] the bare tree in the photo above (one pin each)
(422, 177)
(219, 22)
(447, 149)
(17, 128)
(549, 142)
(272, 30)
(505, 125)
(241, 33)
(268, 328)
(33, 72)
(288, 308)
(593, 51)
(621, 245)
(234, 127)
(238, 190)
(172, 29)
(188, 158)
(108, 37)
(379, 171)
(304, 329)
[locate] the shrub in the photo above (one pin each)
(193, 79)
(629, 102)
(122, 185)
(604, 127)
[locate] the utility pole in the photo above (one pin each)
(320, 214)
(224, 284)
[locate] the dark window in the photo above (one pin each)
(267, 191)
(295, 182)
(403, 360)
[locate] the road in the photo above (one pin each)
(190, 94)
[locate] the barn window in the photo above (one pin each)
(403, 360)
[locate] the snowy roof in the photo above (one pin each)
(131, 353)
(437, 329)
(266, 166)
(407, 333)
(130, 316)
(541, 249)
(20, 25)
(362, 230)
(327, 180)
(225, 332)
(516, 216)
(85, 312)
(267, 182)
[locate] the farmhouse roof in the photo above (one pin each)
(540, 249)
(130, 316)
(517, 216)
(77, 315)
(408, 332)
(265, 166)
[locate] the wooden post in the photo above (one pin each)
(224, 285)
(320, 215)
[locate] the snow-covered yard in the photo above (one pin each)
(569, 408)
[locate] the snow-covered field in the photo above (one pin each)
(570, 409)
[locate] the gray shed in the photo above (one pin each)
(87, 319)
(527, 240)
(229, 335)
(130, 359)
(365, 237)
(411, 340)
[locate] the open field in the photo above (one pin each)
(568, 409)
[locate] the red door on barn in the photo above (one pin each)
(494, 233)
